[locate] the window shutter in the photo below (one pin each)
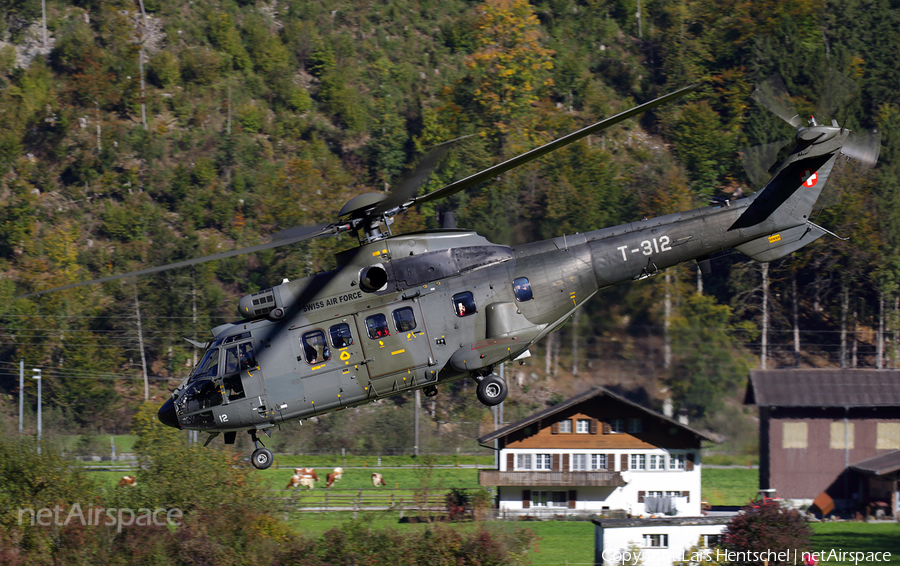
(624, 463)
(687, 494)
(556, 462)
(565, 463)
(611, 462)
(641, 496)
(594, 423)
(554, 428)
(573, 497)
(526, 498)
(510, 462)
(606, 428)
(689, 465)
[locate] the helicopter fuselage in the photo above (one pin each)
(427, 308)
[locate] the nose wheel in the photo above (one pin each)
(491, 390)
(262, 457)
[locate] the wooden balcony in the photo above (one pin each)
(550, 479)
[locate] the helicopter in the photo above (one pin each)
(419, 310)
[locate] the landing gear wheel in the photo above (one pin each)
(491, 390)
(430, 391)
(261, 458)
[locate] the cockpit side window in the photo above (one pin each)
(377, 326)
(464, 304)
(522, 289)
(247, 358)
(340, 335)
(315, 349)
(231, 360)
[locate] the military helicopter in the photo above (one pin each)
(420, 310)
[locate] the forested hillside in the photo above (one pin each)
(132, 139)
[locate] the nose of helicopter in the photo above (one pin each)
(167, 414)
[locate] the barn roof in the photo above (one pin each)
(823, 388)
(881, 464)
(595, 391)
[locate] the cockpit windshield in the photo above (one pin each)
(208, 366)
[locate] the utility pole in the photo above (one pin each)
(21, 394)
(37, 376)
(137, 308)
(765, 316)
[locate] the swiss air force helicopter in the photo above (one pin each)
(419, 310)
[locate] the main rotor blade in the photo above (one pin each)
(297, 234)
(774, 96)
(758, 159)
(837, 91)
(410, 183)
(501, 168)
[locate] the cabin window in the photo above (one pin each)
(377, 326)
(598, 462)
(617, 425)
(522, 289)
(676, 462)
(635, 426)
(314, 347)
(464, 304)
(340, 335)
(565, 426)
(549, 499)
(583, 426)
(404, 319)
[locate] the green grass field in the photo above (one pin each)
(857, 537)
(729, 486)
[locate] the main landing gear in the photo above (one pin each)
(261, 457)
(491, 389)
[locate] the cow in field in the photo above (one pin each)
(334, 476)
(128, 481)
(305, 477)
(378, 479)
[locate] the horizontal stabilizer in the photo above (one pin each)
(781, 243)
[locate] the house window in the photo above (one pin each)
(657, 462)
(654, 494)
(543, 462)
(579, 462)
(635, 426)
(793, 435)
(842, 437)
(676, 462)
(598, 462)
(617, 425)
(656, 541)
(673, 494)
(464, 304)
(583, 426)
(709, 541)
(549, 499)
(887, 436)
(522, 288)
(638, 462)
(565, 426)
(523, 461)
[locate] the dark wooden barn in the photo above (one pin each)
(820, 432)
